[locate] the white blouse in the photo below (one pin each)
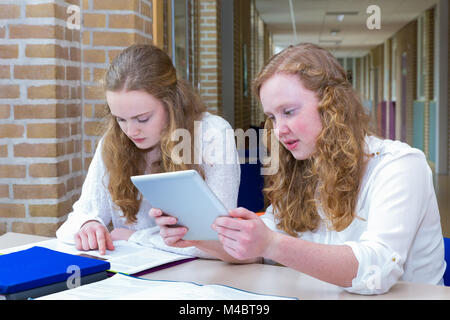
(219, 160)
(398, 234)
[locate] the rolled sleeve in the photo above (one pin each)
(379, 268)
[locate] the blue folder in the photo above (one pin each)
(38, 266)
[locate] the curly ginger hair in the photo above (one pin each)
(331, 177)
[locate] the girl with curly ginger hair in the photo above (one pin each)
(346, 207)
(146, 105)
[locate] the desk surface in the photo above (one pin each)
(266, 279)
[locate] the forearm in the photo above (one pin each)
(335, 264)
(215, 249)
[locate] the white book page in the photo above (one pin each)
(127, 257)
(130, 288)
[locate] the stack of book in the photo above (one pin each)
(39, 271)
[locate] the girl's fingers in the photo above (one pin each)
(172, 240)
(78, 243)
(109, 242)
(166, 221)
(171, 232)
(243, 213)
(155, 212)
(226, 232)
(101, 241)
(92, 240)
(84, 242)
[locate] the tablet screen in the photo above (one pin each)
(186, 196)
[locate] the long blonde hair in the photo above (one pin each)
(148, 68)
(331, 177)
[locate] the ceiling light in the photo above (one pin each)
(340, 17)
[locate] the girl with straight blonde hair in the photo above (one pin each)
(146, 105)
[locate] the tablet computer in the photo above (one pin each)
(186, 196)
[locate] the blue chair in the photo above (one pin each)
(447, 260)
(252, 182)
(250, 190)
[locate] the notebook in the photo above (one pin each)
(54, 287)
(125, 287)
(127, 257)
(38, 267)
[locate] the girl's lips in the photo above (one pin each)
(291, 144)
(138, 140)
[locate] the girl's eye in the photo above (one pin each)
(119, 119)
(289, 111)
(143, 120)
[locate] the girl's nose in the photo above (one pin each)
(132, 129)
(281, 128)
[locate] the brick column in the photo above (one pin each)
(40, 158)
(210, 69)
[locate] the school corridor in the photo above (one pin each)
(53, 54)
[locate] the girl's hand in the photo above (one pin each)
(93, 235)
(244, 238)
(171, 234)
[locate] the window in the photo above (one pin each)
(421, 52)
(183, 37)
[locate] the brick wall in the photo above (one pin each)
(40, 147)
(51, 101)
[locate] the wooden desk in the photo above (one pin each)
(265, 279)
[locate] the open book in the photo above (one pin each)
(127, 257)
(125, 287)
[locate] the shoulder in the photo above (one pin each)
(213, 128)
(211, 121)
(97, 164)
(385, 152)
(98, 150)
(394, 165)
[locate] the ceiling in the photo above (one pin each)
(315, 21)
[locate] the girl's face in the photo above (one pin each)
(141, 116)
(294, 113)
